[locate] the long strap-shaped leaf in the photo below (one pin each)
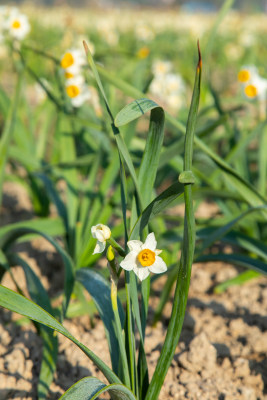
(223, 230)
(99, 290)
(184, 270)
(159, 204)
(7, 134)
(7, 240)
(50, 343)
(90, 388)
(150, 159)
(21, 305)
(123, 151)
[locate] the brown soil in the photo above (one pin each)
(221, 354)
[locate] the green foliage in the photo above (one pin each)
(127, 166)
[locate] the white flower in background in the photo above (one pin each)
(144, 32)
(254, 86)
(161, 67)
(247, 38)
(168, 87)
(72, 62)
(174, 83)
(108, 32)
(102, 233)
(16, 24)
(77, 91)
(144, 258)
(247, 73)
(157, 87)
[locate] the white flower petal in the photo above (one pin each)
(142, 272)
(101, 232)
(157, 252)
(100, 247)
(150, 242)
(129, 262)
(99, 235)
(158, 267)
(134, 245)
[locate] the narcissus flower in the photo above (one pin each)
(77, 91)
(17, 25)
(102, 233)
(254, 86)
(247, 73)
(160, 68)
(144, 258)
(72, 61)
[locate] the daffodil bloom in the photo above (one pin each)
(143, 52)
(144, 258)
(102, 233)
(254, 86)
(144, 32)
(169, 88)
(72, 61)
(160, 68)
(17, 25)
(256, 89)
(247, 73)
(77, 91)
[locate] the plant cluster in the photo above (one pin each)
(114, 172)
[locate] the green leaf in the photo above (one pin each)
(48, 226)
(49, 359)
(21, 305)
(222, 231)
(54, 196)
(262, 168)
(67, 154)
(7, 134)
(8, 240)
(159, 204)
(134, 110)
(123, 150)
(236, 238)
(99, 290)
(227, 4)
(184, 270)
(90, 388)
(237, 280)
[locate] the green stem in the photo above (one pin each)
(129, 332)
(117, 246)
(118, 330)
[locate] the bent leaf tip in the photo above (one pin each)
(199, 65)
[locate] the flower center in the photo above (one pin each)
(251, 91)
(243, 76)
(67, 60)
(146, 257)
(72, 91)
(143, 52)
(68, 75)
(16, 24)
